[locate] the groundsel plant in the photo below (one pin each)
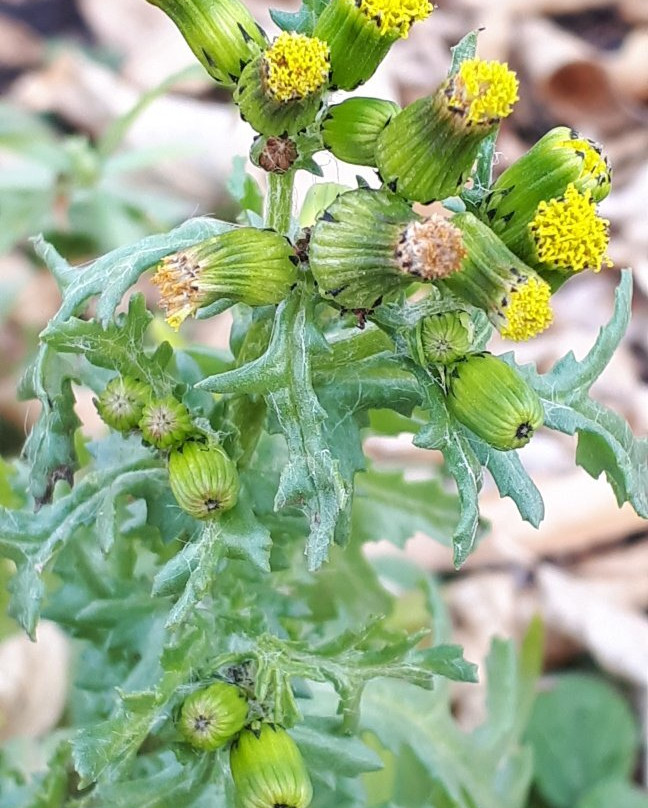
(235, 645)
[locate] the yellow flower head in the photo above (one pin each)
(295, 66)
(528, 311)
(482, 92)
(569, 234)
(177, 276)
(594, 168)
(395, 16)
(432, 249)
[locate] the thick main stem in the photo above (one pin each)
(278, 203)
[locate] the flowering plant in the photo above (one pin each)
(236, 646)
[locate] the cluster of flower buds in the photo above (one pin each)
(505, 254)
(203, 479)
(266, 765)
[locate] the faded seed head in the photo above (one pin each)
(395, 16)
(568, 232)
(527, 310)
(432, 249)
(482, 92)
(178, 277)
(295, 66)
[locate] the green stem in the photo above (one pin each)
(279, 200)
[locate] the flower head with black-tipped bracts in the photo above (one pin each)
(246, 265)
(412, 152)
(120, 405)
(368, 244)
(494, 401)
(268, 770)
(515, 298)
(204, 480)
(223, 35)
(166, 423)
(361, 32)
(212, 716)
(568, 233)
(281, 90)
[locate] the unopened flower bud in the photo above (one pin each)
(165, 423)
(276, 155)
(203, 479)
(222, 34)
(213, 716)
(369, 244)
(515, 298)
(427, 151)
(350, 129)
(244, 265)
(361, 32)
(442, 338)
(494, 401)
(268, 770)
(121, 403)
(281, 90)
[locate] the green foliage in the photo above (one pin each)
(583, 735)
(614, 792)
(277, 595)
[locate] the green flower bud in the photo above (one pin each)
(212, 716)
(369, 244)
(203, 479)
(361, 32)
(257, 267)
(222, 34)
(442, 338)
(492, 278)
(280, 92)
(268, 770)
(493, 400)
(166, 423)
(427, 151)
(351, 129)
(559, 159)
(121, 403)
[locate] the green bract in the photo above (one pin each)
(268, 770)
(122, 402)
(166, 423)
(350, 129)
(443, 338)
(494, 401)
(222, 34)
(213, 716)
(203, 479)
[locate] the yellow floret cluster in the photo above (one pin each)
(594, 164)
(568, 232)
(395, 16)
(484, 92)
(528, 312)
(296, 66)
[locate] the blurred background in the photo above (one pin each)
(108, 134)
